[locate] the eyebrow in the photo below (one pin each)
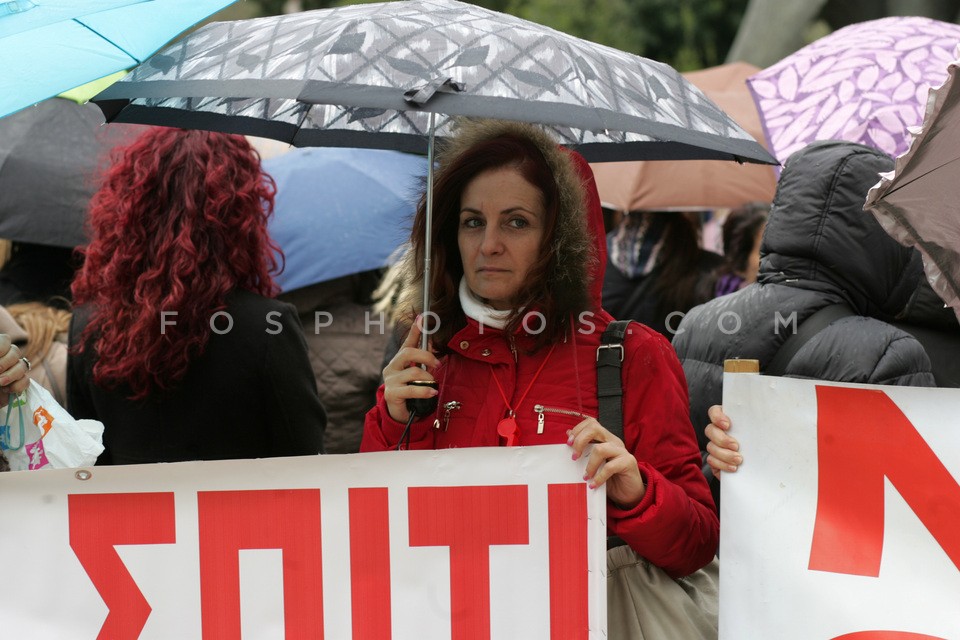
(502, 213)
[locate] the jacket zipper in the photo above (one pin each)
(542, 410)
(453, 405)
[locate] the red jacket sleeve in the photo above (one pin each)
(382, 433)
(675, 526)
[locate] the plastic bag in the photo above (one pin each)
(38, 433)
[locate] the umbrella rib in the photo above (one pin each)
(929, 248)
(106, 39)
(925, 173)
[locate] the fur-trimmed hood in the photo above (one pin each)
(579, 247)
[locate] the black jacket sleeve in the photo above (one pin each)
(300, 419)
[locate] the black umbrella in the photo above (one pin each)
(51, 155)
(369, 75)
(391, 75)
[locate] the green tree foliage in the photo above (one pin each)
(687, 34)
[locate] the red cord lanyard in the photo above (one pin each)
(507, 427)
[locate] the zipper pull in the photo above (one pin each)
(513, 349)
(453, 405)
(540, 418)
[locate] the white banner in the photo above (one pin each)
(844, 520)
(460, 543)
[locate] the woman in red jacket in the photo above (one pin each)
(518, 255)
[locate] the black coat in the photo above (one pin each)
(819, 248)
(249, 395)
(635, 299)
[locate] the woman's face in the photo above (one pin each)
(501, 226)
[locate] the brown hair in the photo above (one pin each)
(551, 289)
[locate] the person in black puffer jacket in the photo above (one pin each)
(819, 248)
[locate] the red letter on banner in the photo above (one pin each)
(100, 521)
(886, 635)
(569, 592)
(234, 520)
(468, 520)
(370, 564)
(862, 437)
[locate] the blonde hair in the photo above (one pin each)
(43, 325)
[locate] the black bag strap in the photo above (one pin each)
(610, 387)
(609, 382)
(808, 328)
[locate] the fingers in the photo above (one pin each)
(722, 459)
(410, 364)
(403, 377)
(721, 438)
(605, 460)
(13, 370)
(586, 432)
(718, 417)
(608, 463)
(413, 336)
(410, 354)
(16, 387)
(722, 448)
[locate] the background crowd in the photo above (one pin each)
(169, 324)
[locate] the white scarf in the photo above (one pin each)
(483, 313)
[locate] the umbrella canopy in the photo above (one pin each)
(333, 77)
(50, 46)
(865, 83)
(695, 184)
(51, 155)
(917, 202)
(341, 211)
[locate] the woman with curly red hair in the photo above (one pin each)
(176, 345)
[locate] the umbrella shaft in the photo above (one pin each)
(428, 232)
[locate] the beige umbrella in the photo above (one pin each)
(917, 202)
(695, 184)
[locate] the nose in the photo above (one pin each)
(492, 243)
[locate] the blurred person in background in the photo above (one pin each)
(37, 273)
(742, 231)
(345, 348)
(13, 377)
(41, 333)
(819, 251)
(176, 344)
(656, 268)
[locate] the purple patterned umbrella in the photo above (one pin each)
(864, 83)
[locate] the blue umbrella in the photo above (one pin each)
(50, 46)
(341, 211)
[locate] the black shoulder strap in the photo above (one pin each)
(609, 382)
(809, 328)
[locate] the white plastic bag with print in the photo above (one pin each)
(37, 433)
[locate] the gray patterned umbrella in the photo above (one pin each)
(333, 77)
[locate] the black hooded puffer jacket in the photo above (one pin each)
(819, 248)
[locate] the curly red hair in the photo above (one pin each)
(179, 221)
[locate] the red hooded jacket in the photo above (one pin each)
(675, 526)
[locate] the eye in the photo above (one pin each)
(518, 222)
(471, 222)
